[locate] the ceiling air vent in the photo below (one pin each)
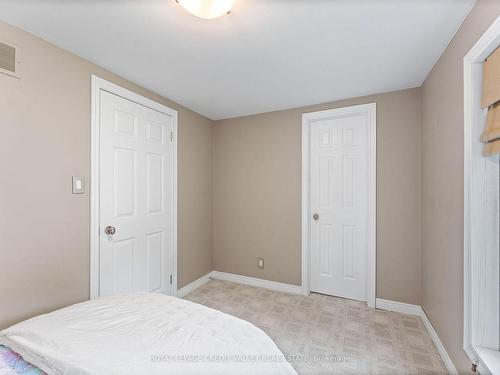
(8, 59)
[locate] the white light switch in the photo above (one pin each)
(260, 263)
(78, 185)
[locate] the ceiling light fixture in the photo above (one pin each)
(207, 9)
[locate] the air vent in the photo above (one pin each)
(8, 59)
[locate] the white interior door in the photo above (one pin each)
(135, 202)
(339, 204)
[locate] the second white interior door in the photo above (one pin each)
(339, 204)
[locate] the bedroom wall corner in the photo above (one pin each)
(44, 229)
(257, 194)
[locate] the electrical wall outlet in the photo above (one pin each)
(260, 263)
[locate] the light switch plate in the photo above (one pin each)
(78, 185)
(260, 263)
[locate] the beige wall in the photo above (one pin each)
(257, 194)
(253, 185)
(44, 229)
(442, 173)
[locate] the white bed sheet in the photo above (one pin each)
(144, 333)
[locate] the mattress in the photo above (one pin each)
(13, 364)
(144, 333)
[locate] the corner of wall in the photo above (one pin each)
(212, 165)
(420, 188)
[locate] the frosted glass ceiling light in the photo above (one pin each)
(207, 9)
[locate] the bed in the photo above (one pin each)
(143, 333)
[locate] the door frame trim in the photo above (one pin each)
(98, 84)
(478, 172)
(307, 118)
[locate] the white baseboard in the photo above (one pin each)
(194, 285)
(267, 284)
(400, 307)
(450, 367)
(416, 310)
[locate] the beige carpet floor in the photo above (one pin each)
(328, 335)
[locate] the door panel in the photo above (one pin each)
(154, 254)
(326, 244)
(124, 181)
(136, 175)
(339, 195)
(155, 183)
(123, 265)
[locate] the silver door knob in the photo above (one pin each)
(109, 230)
(316, 217)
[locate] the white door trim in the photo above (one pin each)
(98, 84)
(371, 110)
(479, 174)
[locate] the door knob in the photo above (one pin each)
(316, 217)
(109, 230)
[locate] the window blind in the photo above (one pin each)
(491, 100)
